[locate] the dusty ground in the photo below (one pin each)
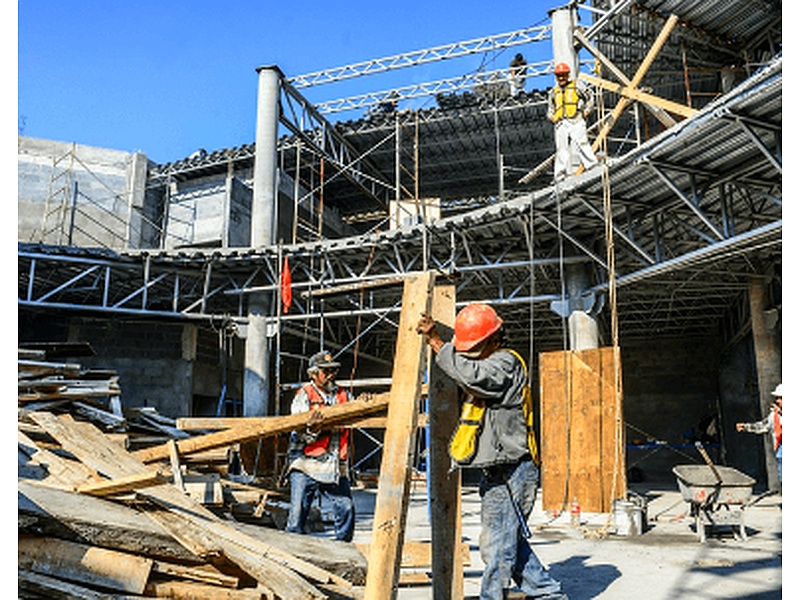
(666, 562)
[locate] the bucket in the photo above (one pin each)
(629, 517)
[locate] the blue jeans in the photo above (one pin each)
(504, 549)
(338, 494)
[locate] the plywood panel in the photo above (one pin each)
(582, 455)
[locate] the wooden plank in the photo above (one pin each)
(53, 588)
(612, 443)
(187, 590)
(391, 503)
(554, 376)
(62, 472)
(585, 483)
(175, 465)
(203, 573)
(122, 485)
(80, 518)
(419, 554)
(260, 427)
(445, 485)
(84, 564)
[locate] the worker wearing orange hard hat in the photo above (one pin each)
(495, 435)
(570, 103)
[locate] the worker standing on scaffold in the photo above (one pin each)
(569, 105)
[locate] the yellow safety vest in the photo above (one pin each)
(565, 101)
(464, 441)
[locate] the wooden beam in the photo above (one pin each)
(445, 483)
(391, 503)
(662, 38)
(640, 96)
(657, 112)
(253, 428)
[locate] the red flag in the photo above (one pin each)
(286, 285)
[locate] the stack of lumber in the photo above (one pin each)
(97, 520)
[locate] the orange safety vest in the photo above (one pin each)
(320, 445)
(565, 101)
(776, 422)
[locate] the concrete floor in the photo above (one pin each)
(665, 562)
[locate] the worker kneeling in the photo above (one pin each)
(495, 435)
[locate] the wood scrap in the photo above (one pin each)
(45, 586)
(88, 565)
(270, 566)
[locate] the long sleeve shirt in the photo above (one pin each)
(771, 424)
(498, 380)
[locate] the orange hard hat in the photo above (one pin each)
(474, 324)
(561, 68)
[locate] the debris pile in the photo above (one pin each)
(117, 503)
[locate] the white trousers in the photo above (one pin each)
(572, 147)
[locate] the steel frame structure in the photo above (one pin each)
(696, 215)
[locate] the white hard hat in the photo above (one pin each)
(778, 391)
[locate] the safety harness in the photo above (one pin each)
(463, 444)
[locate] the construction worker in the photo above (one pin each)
(518, 68)
(772, 424)
(569, 105)
(317, 458)
(493, 436)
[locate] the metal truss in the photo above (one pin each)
(419, 57)
(469, 81)
(700, 230)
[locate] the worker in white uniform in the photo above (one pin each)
(570, 104)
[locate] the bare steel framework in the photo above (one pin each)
(696, 208)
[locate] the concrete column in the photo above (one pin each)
(263, 225)
(767, 348)
(563, 21)
(583, 331)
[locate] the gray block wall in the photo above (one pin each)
(109, 197)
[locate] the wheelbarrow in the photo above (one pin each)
(717, 495)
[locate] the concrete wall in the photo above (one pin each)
(110, 194)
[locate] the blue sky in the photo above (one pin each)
(169, 77)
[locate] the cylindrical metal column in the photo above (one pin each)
(563, 22)
(263, 226)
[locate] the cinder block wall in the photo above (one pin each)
(154, 361)
(110, 198)
(669, 387)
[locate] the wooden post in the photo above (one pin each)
(391, 504)
(444, 485)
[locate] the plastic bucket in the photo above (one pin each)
(628, 517)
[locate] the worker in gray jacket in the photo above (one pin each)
(493, 435)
